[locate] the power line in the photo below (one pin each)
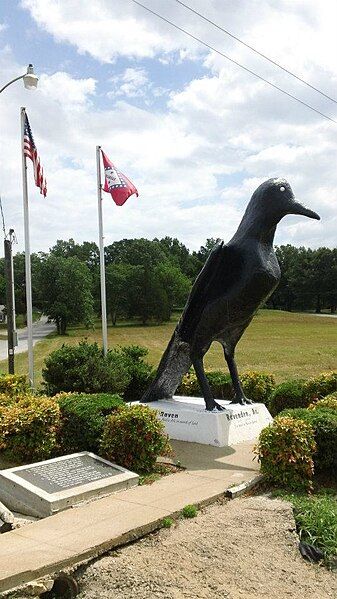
(277, 64)
(234, 61)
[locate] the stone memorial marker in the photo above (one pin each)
(43, 488)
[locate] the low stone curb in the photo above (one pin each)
(238, 490)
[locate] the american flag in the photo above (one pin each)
(29, 150)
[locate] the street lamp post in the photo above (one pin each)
(30, 81)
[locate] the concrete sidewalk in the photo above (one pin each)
(80, 533)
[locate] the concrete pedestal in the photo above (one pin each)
(47, 487)
(186, 419)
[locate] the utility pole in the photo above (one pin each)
(10, 300)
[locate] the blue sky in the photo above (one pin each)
(194, 133)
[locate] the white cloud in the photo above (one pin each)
(197, 161)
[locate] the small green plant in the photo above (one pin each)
(134, 437)
(285, 450)
(189, 511)
(167, 522)
(289, 394)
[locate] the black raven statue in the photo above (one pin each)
(236, 280)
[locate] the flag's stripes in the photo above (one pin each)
(29, 149)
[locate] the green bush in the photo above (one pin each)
(285, 450)
(330, 402)
(13, 384)
(134, 437)
(141, 373)
(85, 369)
(324, 423)
(28, 428)
(82, 418)
(256, 385)
(321, 385)
(288, 395)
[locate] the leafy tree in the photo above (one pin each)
(175, 284)
(119, 286)
(65, 286)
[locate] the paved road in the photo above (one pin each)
(41, 329)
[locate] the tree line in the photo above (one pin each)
(147, 279)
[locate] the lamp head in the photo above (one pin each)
(30, 79)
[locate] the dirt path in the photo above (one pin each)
(246, 548)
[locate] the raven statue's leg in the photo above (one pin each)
(204, 384)
(239, 392)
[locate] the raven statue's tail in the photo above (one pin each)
(174, 364)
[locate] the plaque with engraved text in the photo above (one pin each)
(67, 473)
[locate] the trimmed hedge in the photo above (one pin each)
(82, 419)
(140, 372)
(257, 385)
(324, 423)
(28, 428)
(330, 402)
(321, 385)
(84, 368)
(288, 395)
(285, 450)
(13, 384)
(134, 437)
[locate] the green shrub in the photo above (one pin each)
(256, 385)
(330, 402)
(324, 423)
(189, 385)
(321, 385)
(141, 373)
(288, 395)
(13, 384)
(85, 369)
(82, 418)
(28, 428)
(285, 450)
(134, 437)
(189, 511)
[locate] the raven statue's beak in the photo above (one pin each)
(298, 208)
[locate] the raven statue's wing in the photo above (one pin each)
(222, 269)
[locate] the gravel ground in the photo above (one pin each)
(246, 548)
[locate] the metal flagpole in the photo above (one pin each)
(27, 256)
(101, 251)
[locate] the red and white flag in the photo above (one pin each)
(29, 150)
(117, 184)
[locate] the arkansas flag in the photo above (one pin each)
(117, 184)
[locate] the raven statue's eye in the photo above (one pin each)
(282, 188)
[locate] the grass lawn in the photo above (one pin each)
(285, 344)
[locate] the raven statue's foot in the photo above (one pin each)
(243, 400)
(213, 405)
